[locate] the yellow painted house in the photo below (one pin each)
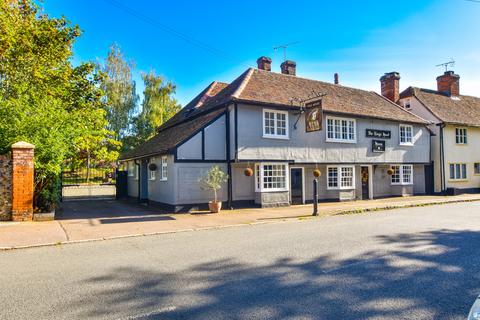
(455, 145)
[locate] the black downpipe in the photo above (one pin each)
(229, 161)
(442, 159)
(139, 179)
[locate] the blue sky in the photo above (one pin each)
(360, 40)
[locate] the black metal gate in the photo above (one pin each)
(89, 183)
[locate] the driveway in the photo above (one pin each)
(416, 263)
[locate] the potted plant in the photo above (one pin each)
(213, 180)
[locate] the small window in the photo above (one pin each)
(476, 168)
(163, 168)
(458, 171)
(461, 135)
(271, 177)
(137, 172)
(275, 124)
(340, 177)
(341, 130)
(402, 174)
(406, 135)
(407, 103)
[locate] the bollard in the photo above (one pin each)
(315, 197)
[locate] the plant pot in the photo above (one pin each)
(215, 207)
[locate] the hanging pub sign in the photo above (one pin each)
(313, 116)
(379, 134)
(378, 146)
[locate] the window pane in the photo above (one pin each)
(330, 128)
(407, 174)
(332, 177)
(347, 177)
(396, 174)
(464, 171)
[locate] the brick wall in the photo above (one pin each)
(22, 181)
(16, 183)
(5, 188)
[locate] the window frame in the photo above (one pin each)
(339, 178)
(405, 102)
(164, 168)
(275, 127)
(462, 165)
(259, 177)
(340, 140)
(476, 165)
(401, 175)
(400, 134)
(461, 139)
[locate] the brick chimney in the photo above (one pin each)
(264, 63)
(449, 83)
(390, 86)
(289, 67)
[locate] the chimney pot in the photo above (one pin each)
(390, 86)
(449, 84)
(289, 67)
(264, 63)
(335, 78)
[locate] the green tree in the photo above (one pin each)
(158, 106)
(44, 99)
(120, 93)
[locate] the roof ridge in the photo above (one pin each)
(243, 84)
(314, 80)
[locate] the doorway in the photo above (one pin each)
(297, 187)
(365, 174)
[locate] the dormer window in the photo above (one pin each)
(407, 103)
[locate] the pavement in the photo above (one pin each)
(416, 263)
(107, 219)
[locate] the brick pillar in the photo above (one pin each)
(22, 181)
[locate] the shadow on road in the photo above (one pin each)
(431, 275)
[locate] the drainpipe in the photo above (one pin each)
(229, 164)
(139, 179)
(442, 159)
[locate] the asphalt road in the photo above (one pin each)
(420, 263)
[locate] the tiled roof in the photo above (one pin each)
(194, 106)
(464, 110)
(264, 87)
(276, 88)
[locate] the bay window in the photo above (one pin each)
(271, 177)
